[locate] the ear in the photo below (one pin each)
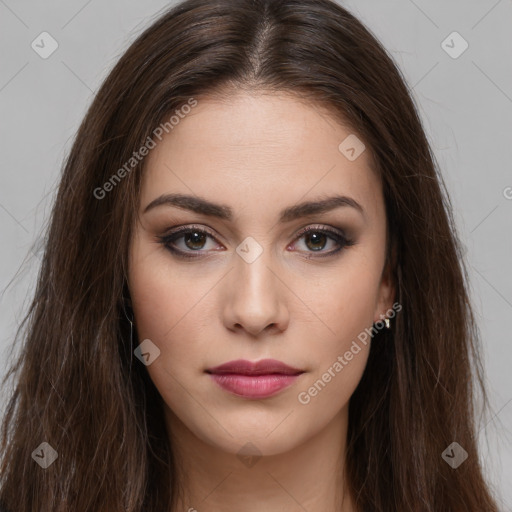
(386, 294)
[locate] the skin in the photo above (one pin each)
(258, 154)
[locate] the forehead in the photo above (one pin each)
(254, 151)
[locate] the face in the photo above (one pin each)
(245, 282)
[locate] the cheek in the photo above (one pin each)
(167, 305)
(165, 308)
(346, 307)
(345, 303)
(345, 300)
(328, 392)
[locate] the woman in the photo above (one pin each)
(252, 294)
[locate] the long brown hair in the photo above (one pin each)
(78, 386)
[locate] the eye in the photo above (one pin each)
(317, 238)
(194, 240)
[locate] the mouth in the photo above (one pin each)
(255, 380)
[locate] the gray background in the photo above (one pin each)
(465, 104)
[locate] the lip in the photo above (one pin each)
(263, 367)
(260, 379)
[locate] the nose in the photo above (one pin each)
(255, 298)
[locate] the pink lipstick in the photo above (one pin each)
(261, 379)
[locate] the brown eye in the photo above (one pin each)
(316, 240)
(195, 239)
(187, 242)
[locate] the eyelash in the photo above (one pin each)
(170, 238)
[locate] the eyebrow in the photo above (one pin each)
(204, 207)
